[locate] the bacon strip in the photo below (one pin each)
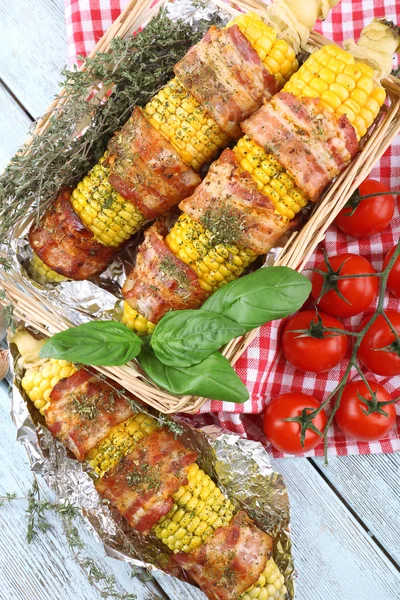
(147, 170)
(82, 411)
(142, 484)
(65, 245)
(307, 139)
(226, 76)
(228, 200)
(160, 282)
(230, 561)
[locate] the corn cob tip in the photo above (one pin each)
(377, 44)
(38, 381)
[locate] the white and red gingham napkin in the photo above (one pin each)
(262, 367)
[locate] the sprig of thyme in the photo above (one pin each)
(38, 522)
(135, 68)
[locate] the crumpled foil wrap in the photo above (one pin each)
(240, 467)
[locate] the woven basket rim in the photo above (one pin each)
(40, 314)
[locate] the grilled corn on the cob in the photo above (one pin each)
(278, 56)
(119, 442)
(39, 381)
(176, 114)
(111, 217)
(199, 509)
(343, 85)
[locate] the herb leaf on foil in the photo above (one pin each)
(267, 294)
(213, 378)
(98, 343)
(135, 68)
(185, 337)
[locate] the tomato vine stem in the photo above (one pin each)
(309, 414)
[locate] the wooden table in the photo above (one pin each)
(345, 517)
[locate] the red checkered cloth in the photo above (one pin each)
(262, 367)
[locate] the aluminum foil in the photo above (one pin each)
(240, 467)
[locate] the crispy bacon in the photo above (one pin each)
(142, 484)
(228, 199)
(145, 168)
(65, 245)
(160, 282)
(82, 411)
(226, 76)
(230, 561)
(307, 139)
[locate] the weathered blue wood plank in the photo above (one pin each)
(14, 124)
(33, 50)
(335, 557)
(371, 486)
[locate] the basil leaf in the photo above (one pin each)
(267, 294)
(213, 378)
(98, 343)
(186, 337)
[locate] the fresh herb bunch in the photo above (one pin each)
(182, 354)
(309, 414)
(135, 68)
(38, 522)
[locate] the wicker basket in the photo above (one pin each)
(38, 312)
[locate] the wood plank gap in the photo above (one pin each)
(16, 100)
(355, 515)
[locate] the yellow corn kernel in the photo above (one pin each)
(180, 118)
(213, 262)
(119, 441)
(270, 177)
(132, 319)
(190, 521)
(41, 273)
(39, 381)
(278, 56)
(111, 218)
(269, 586)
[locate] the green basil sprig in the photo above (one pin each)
(98, 343)
(212, 378)
(186, 337)
(267, 294)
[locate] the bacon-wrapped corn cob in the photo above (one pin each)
(220, 82)
(153, 465)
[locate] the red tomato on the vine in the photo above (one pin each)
(316, 351)
(285, 435)
(371, 215)
(393, 282)
(379, 350)
(351, 415)
(359, 292)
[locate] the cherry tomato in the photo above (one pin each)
(379, 335)
(372, 215)
(285, 435)
(352, 419)
(393, 282)
(359, 292)
(317, 352)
